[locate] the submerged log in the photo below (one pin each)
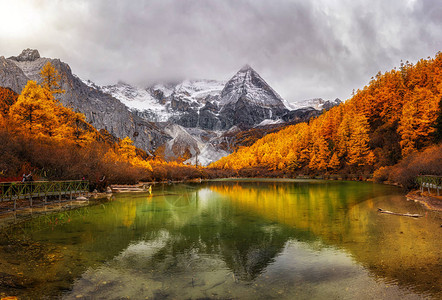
(398, 214)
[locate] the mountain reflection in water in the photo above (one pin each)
(247, 239)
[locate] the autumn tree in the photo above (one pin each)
(319, 155)
(334, 162)
(343, 135)
(7, 98)
(34, 111)
(126, 148)
(37, 114)
(51, 79)
(128, 152)
(74, 127)
(359, 153)
(419, 115)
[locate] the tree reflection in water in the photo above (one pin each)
(239, 239)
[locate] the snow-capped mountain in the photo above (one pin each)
(192, 118)
(198, 112)
(247, 83)
(248, 100)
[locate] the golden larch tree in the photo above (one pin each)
(334, 162)
(51, 79)
(359, 153)
(320, 154)
(33, 112)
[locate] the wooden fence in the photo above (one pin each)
(430, 182)
(13, 191)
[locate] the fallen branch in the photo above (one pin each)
(398, 214)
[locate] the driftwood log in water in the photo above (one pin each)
(398, 214)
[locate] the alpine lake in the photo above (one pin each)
(230, 239)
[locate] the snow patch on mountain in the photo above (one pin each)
(88, 82)
(316, 103)
(270, 122)
(208, 154)
(194, 142)
(138, 99)
(181, 144)
(198, 90)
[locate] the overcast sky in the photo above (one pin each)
(303, 49)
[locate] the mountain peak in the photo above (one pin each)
(27, 55)
(246, 68)
(247, 99)
(247, 83)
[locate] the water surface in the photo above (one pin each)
(294, 239)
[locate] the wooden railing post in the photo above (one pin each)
(431, 182)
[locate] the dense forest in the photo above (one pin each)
(39, 135)
(394, 118)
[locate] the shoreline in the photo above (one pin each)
(433, 203)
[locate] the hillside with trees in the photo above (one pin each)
(394, 117)
(39, 135)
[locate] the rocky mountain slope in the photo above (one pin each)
(101, 109)
(195, 119)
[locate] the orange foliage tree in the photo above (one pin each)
(51, 79)
(34, 111)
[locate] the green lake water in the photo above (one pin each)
(237, 239)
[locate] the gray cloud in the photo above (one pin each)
(304, 49)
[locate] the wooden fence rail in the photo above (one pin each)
(13, 191)
(430, 182)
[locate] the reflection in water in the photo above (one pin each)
(292, 240)
(405, 250)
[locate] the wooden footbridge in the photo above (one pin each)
(14, 192)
